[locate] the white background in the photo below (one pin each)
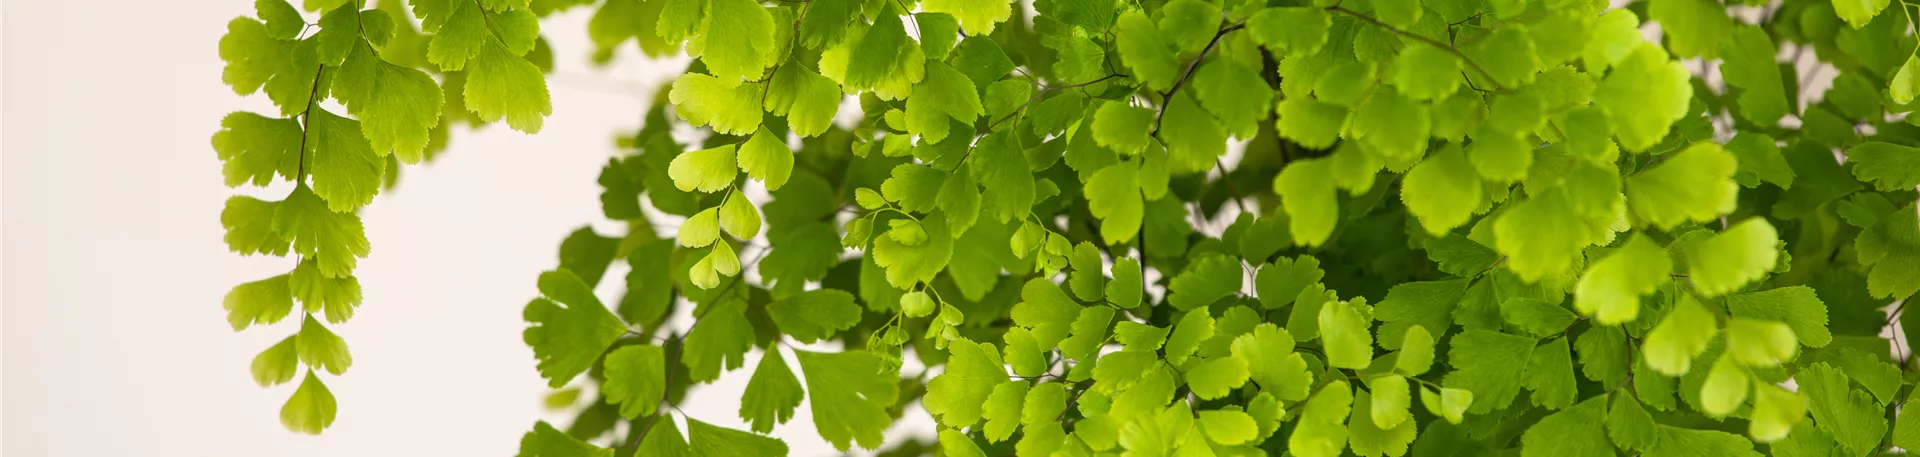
(115, 342)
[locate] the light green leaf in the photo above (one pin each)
(1890, 167)
(957, 395)
(1489, 364)
(637, 380)
(276, 364)
(746, 47)
(944, 94)
(546, 441)
(1694, 185)
(705, 100)
(852, 391)
(1570, 433)
(706, 439)
(977, 17)
(1681, 336)
(568, 328)
(1610, 290)
(1205, 281)
(1729, 260)
(311, 408)
(707, 170)
(766, 158)
(1344, 332)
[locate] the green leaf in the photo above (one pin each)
(1448, 403)
(710, 440)
(1644, 93)
(1215, 378)
(1858, 12)
(254, 148)
(739, 217)
(1488, 364)
(1694, 185)
(1280, 282)
(259, 302)
(1758, 343)
(1550, 375)
(1300, 30)
(396, 104)
(1271, 362)
(501, 85)
(1890, 167)
(1427, 304)
(1308, 196)
(1460, 256)
(1442, 191)
(909, 264)
(746, 49)
(1416, 352)
(815, 315)
(1002, 410)
(700, 230)
(1880, 378)
(1694, 28)
(719, 342)
(1046, 310)
(1312, 123)
(1604, 355)
(1775, 412)
(944, 94)
(707, 170)
(1122, 127)
(321, 348)
(1541, 236)
(1321, 432)
(1233, 93)
(1205, 281)
(1113, 196)
(1629, 425)
(663, 439)
(772, 394)
(1369, 440)
(1748, 65)
(1390, 401)
(1681, 336)
(705, 100)
(1189, 24)
(1228, 427)
(808, 100)
(636, 379)
(567, 327)
(546, 441)
(311, 408)
(1393, 126)
(1725, 388)
(1003, 172)
(1729, 260)
(1126, 287)
(851, 394)
(1144, 50)
(1760, 160)
(955, 397)
(345, 171)
(977, 17)
(1344, 333)
(1570, 432)
(1195, 327)
(1891, 249)
(1610, 290)
(1850, 416)
(276, 364)
(1508, 55)
(765, 158)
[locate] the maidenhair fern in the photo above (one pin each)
(1159, 227)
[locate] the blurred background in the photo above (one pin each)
(112, 336)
